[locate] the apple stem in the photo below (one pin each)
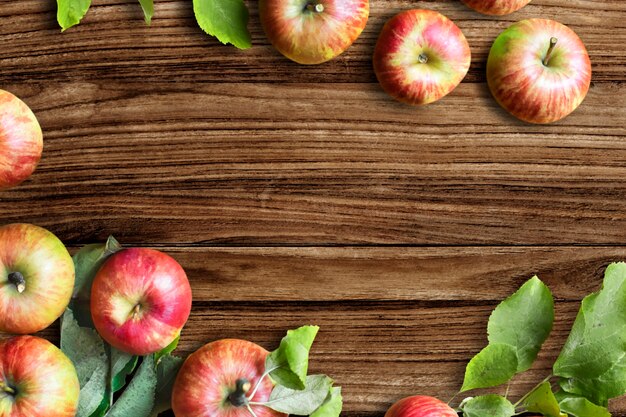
(238, 397)
(553, 42)
(7, 388)
(17, 279)
(422, 58)
(315, 7)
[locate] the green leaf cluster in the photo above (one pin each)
(103, 371)
(295, 391)
(227, 20)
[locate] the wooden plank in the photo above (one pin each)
(278, 164)
(113, 43)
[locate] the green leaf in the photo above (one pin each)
(488, 406)
(332, 405)
(138, 398)
(70, 12)
(542, 400)
(288, 365)
(167, 369)
(301, 402)
(122, 365)
(87, 263)
(148, 10)
(227, 20)
(166, 350)
(593, 360)
(494, 365)
(85, 349)
(580, 407)
(524, 321)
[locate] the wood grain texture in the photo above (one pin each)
(297, 195)
(319, 164)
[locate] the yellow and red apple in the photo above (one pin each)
(313, 31)
(36, 379)
(222, 379)
(421, 56)
(539, 70)
(140, 300)
(36, 278)
(420, 406)
(496, 7)
(21, 141)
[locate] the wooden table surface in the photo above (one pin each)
(296, 195)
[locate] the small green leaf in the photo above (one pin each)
(166, 350)
(488, 406)
(288, 365)
(87, 263)
(167, 369)
(580, 407)
(332, 405)
(122, 365)
(542, 400)
(494, 365)
(227, 20)
(593, 360)
(524, 321)
(138, 398)
(85, 349)
(301, 402)
(148, 10)
(70, 12)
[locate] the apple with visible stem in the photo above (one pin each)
(420, 56)
(21, 141)
(496, 7)
(140, 300)
(225, 378)
(36, 278)
(420, 406)
(539, 70)
(313, 31)
(36, 379)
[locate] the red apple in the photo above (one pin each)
(313, 31)
(36, 379)
(539, 70)
(215, 381)
(420, 406)
(496, 7)
(420, 56)
(140, 300)
(36, 278)
(21, 140)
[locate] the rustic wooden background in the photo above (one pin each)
(296, 195)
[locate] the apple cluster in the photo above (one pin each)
(538, 69)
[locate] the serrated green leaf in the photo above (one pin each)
(332, 405)
(593, 360)
(87, 263)
(488, 406)
(288, 365)
(70, 12)
(166, 350)
(167, 369)
(494, 365)
(227, 20)
(580, 407)
(148, 10)
(301, 402)
(85, 349)
(524, 321)
(122, 365)
(542, 400)
(138, 398)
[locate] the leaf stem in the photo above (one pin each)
(258, 382)
(534, 388)
(251, 410)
